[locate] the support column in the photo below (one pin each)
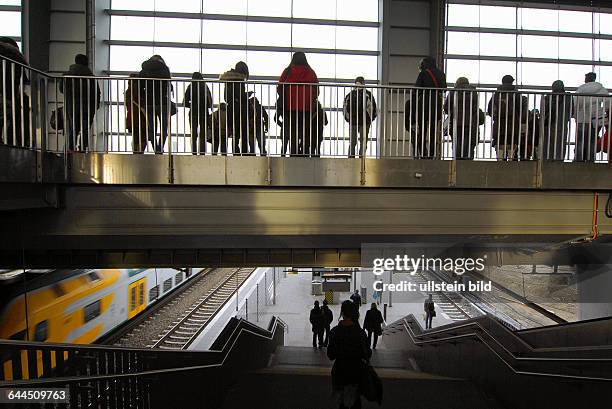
(594, 291)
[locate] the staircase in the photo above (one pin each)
(299, 377)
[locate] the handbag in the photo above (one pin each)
(603, 143)
(370, 385)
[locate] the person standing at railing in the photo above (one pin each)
(199, 101)
(464, 118)
(156, 88)
(258, 123)
(359, 111)
(556, 112)
(508, 109)
(135, 119)
(590, 113)
(424, 111)
(81, 101)
(298, 103)
(11, 94)
(237, 101)
(319, 122)
(430, 311)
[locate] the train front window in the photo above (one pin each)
(41, 331)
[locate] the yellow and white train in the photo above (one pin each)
(84, 304)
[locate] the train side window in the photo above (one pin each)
(41, 331)
(167, 285)
(133, 299)
(153, 293)
(19, 336)
(91, 311)
(178, 278)
(141, 294)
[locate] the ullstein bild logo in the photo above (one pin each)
(410, 264)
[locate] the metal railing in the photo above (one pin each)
(135, 115)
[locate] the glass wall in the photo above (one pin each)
(536, 46)
(340, 37)
(10, 19)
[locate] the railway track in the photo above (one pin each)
(187, 328)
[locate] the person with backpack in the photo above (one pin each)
(135, 119)
(423, 113)
(258, 123)
(556, 111)
(81, 101)
(328, 319)
(297, 102)
(590, 114)
(372, 323)
(464, 118)
(317, 321)
(348, 348)
(12, 93)
(360, 111)
(508, 109)
(199, 101)
(156, 88)
(237, 100)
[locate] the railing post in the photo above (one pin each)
(363, 168)
(540, 152)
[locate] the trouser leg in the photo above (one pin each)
(375, 340)
(353, 140)
(369, 338)
(314, 338)
(194, 122)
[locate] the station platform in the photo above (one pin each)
(294, 302)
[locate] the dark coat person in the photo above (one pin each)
(12, 93)
(360, 111)
(329, 318)
(508, 109)
(237, 100)
(317, 320)
(81, 101)
(199, 101)
(348, 348)
(372, 323)
(461, 106)
(319, 121)
(423, 114)
(157, 89)
(556, 112)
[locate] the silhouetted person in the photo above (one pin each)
(423, 114)
(556, 111)
(81, 101)
(461, 105)
(430, 311)
(237, 101)
(135, 118)
(317, 320)
(372, 323)
(508, 109)
(199, 101)
(258, 122)
(359, 111)
(158, 106)
(319, 121)
(356, 298)
(590, 116)
(348, 348)
(220, 130)
(298, 102)
(12, 94)
(328, 319)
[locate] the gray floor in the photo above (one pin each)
(294, 301)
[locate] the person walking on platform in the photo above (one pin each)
(328, 319)
(373, 324)
(430, 311)
(317, 320)
(356, 298)
(348, 348)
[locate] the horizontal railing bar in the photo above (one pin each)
(523, 31)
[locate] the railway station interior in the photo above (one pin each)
(316, 204)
